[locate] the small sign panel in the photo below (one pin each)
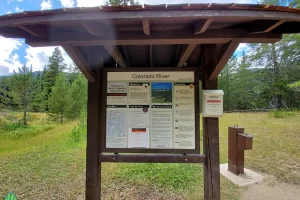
(150, 110)
(212, 103)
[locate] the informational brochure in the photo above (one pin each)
(150, 110)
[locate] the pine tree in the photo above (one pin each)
(4, 97)
(79, 95)
(22, 90)
(60, 99)
(55, 66)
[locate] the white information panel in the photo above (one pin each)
(150, 110)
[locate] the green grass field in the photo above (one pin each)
(43, 161)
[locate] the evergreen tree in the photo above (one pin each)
(22, 90)
(79, 95)
(55, 66)
(60, 99)
(4, 97)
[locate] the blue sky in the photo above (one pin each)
(14, 53)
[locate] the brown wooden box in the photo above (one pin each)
(245, 141)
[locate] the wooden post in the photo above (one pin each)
(210, 130)
(93, 149)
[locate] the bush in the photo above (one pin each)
(78, 132)
(16, 131)
(281, 114)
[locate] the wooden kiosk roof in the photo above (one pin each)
(151, 35)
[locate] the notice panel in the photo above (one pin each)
(151, 110)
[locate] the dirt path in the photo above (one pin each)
(271, 189)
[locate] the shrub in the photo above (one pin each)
(78, 132)
(16, 131)
(281, 114)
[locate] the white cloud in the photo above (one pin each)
(38, 57)
(67, 3)
(7, 57)
(45, 5)
(89, 3)
(9, 12)
(18, 9)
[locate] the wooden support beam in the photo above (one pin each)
(80, 61)
(201, 26)
(210, 131)
(274, 25)
(114, 52)
(93, 149)
(152, 158)
(156, 38)
(186, 54)
(127, 59)
(146, 26)
(223, 56)
(28, 30)
(151, 55)
(90, 29)
(260, 26)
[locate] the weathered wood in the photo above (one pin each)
(126, 56)
(93, 167)
(186, 54)
(224, 55)
(151, 55)
(91, 29)
(114, 52)
(261, 26)
(210, 133)
(154, 15)
(152, 158)
(146, 26)
(32, 32)
(156, 38)
(80, 61)
(201, 26)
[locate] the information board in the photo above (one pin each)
(151, 110)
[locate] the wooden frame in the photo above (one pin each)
(129, 150)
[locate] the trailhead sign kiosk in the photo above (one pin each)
(152, 111)
(143, 65)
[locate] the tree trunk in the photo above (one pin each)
(24, 116)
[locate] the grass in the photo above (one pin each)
(51, 165)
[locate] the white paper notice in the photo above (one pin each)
(116, 93)
(116, 126)
(184, 116)
(161, 126)
(139, 137)
(139, 93)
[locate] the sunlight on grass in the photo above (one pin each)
(51, 165)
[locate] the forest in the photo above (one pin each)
(59, 90)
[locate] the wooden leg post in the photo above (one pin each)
(210, 132)
(93, 168)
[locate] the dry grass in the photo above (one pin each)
(51, 165)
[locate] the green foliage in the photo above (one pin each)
(60, 98)
(55, 67)
(281, 114)
(10, 196)
(79, 132)
(79, 95)
(22, 89)
(17, 130)
(295, 86)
